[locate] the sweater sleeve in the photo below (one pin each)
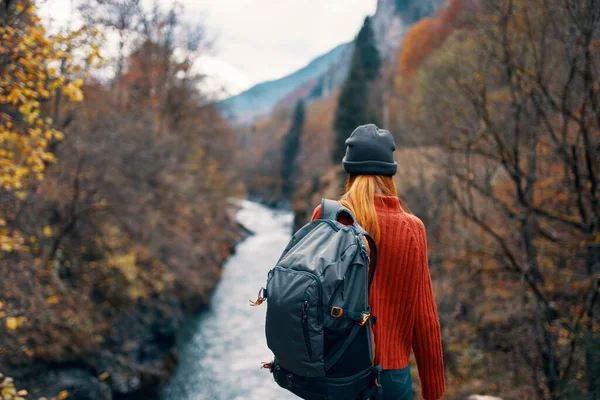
(427, 342)
(316, 213)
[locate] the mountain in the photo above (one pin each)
(390, 23)
(260, 99)
(329, 71)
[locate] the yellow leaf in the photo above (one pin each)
(48, 231)
(52, 300)
(2, 314)
(127, 264)
(63, 395)
(8, 389)
(2, 223)
(20, 7)
(104, 376)
(49, 157)
(7, 246)
(21, 195)
(73, 92)
(11, 323)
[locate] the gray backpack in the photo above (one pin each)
(318, 322)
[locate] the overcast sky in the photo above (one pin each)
(258, 40)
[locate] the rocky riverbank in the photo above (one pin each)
(136, 355)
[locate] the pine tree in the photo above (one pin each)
(352, 109)
(368, 54)
(353, 106)
(290, 150)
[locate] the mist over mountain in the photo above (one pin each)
(261, 98)
(327, 72)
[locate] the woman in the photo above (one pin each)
(401, 296)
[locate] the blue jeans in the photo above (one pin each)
(397, 384)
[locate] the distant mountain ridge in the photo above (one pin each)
(261, 98)
(329, 71)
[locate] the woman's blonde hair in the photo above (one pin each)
(360, 199)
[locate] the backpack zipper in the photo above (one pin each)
(305, 329)
(363, 248)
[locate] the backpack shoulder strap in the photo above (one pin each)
(373, 256)
(331, 209)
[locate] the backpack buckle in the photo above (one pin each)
(364, 319)
(336, 312)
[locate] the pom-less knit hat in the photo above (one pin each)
(370, 151)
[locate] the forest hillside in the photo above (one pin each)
(119, 193)
(494, 108)
(114, 218)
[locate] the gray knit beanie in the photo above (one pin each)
(370, 151)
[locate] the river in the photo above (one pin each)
(222, 349)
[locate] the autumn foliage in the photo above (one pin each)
(114, 213)
(517, 195)
(35, 68)
(114, 218)
(499, 136)
(424, 38)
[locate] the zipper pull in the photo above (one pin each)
(261, 298)
(305, 311)
(363, 248)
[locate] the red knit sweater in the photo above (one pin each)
(402, 298)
